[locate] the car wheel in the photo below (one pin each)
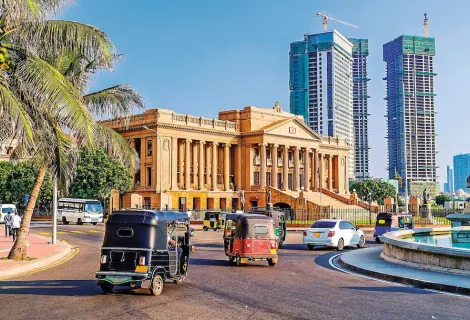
(310, 246)
(205, 228)
(107, 287)
(215, 229)
(238, 260)
(377, 239)
(157, 285)
(362, 242)
(79, 222)
(340, 246)
(271, 263)
(95, 223)
(64, 221)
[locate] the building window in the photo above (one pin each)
(256, 178)
(290, 181)
(268, 154)
(149, 148)
(149, 176)
(268, 178)
(256, 152)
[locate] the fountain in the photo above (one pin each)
(460, 227)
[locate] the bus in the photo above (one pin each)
(79, 211)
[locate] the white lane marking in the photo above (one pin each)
(330, 262)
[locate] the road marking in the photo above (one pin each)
(330, 261)
(77, 250)
(94, 231)
(77, 232)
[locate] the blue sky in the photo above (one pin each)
(203, 56)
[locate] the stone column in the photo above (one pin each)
(208, 164)
(330, 172)
(143, 181)
(132, 143)
(187, 165)
(201, 165)
(322, 170)
(313, 170)
(181, 163)
(285, 168)
(227, 167)
(156, 163)
(306, 170)
(238, 167)
(174, 164)
(194, 160)
(214, 166)
(263, 166)
(296, 169)
(346, 173)
(274, 166)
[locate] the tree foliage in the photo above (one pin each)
(440, 199)
(16, 181)
(97, 174)
(378, 190)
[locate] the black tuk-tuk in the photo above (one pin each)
(143, 248)
(279, 222)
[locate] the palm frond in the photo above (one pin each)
(30, 10)
(65, 36)
(115, 145)
(14, 120)
(114, 101)
(50, 88)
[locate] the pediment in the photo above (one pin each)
(294, 128)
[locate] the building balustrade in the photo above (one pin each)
(280, 162)
(291, 163)
(269, 162)
(256, 161)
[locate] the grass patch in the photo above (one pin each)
(26, 259)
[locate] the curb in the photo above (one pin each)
(65, 251)
(408, 281)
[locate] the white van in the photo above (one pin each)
(4, 209)
(79, 211)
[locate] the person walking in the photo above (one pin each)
(8, 219)
(15, 225)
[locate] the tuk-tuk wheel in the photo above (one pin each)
(205, 228)
(377, 239)
(238, 260)
(178, 281)
(157, 285)
(107, 287)
(215, 229)
(271, 263)
(231, 258)
(280, 244)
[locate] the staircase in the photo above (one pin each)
(327, 201)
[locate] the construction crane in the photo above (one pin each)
(426, 24)
(326, 18)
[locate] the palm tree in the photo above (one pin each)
(51, 66)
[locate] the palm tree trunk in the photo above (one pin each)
(19, 251)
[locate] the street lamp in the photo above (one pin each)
(160, 156)
(370, 213)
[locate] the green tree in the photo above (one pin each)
(440, 199)
(373, 190)
(16, 181)
(97, 174)
(44, 91)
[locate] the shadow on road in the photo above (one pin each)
(208, 245)
(397, 289)
(51, 287)
(225, 263)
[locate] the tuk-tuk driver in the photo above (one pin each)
(173, 243)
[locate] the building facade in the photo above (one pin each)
(199, 163)
(461, 172)
(411, 108)
(449, 185)
(360, 52)
(321, 85)
(417, 188)
(6, 149)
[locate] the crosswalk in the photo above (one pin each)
(80, 232)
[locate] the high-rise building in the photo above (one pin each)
(360, 51)
(461, 171)
(410, 108)
(321, 87)
(449, 185)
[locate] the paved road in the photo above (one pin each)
(301, 286)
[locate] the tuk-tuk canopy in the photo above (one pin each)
(146, 229)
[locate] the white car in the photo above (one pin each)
(333, 233)
(4, 209)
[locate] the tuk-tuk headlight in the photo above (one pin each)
(142, 261)
(103, 259)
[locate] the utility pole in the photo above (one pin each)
(160, 156)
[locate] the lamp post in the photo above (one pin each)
(54, 210)
(370, 213)
(161, 163)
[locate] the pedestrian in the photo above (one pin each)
(7, 219)
(15, 225)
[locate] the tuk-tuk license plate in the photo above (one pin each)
(272, 251)
(316, 234)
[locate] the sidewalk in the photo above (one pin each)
(368, 262)
(41, 252)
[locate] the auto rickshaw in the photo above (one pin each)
(280, 227)
(250, 237)
(144, 248)
(391, 221)
(214, 220)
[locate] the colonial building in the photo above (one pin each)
(6, 148)
(200, 163)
